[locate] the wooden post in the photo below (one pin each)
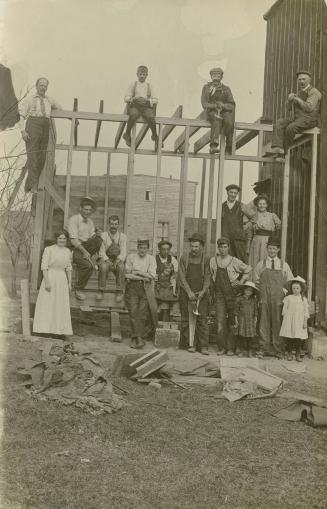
(129, 185)
(312, 217)
(260, 150)
(156, 193)
(220, 188)
(182, 194)
(69, 171)
(203, 183)
(240, 179)
(210, 202)
(88, 172)
(106, 197)
(286, 186)
(25, 299)
(75, 108)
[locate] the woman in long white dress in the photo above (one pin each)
(263, 225)
(52, 310)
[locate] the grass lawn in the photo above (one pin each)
(167, 449)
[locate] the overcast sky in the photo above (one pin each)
(90, 49)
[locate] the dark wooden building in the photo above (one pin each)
(296, 40)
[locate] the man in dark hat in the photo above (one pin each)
(235, 224)
(141, 101)
(86, 241)
(270, 275)
(165, 288)
(218, 103)
(140, 274)
(194, 281)
(304, 110)
(35, 113)
(228, 274)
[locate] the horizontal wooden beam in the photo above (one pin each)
(121, 127)
(179, 143)
(98, 127)
(167, 153)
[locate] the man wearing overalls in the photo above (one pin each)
(304, 108)
(228, 274)
(165, 288)
(270, 276)
(113, 252)
(141, 101)
(194, 282)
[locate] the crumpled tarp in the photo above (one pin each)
(70, 376)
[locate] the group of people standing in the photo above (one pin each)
(245, 282)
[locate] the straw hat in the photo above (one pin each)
(249, 284)
(297, 279)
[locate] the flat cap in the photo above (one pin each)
(233, 186)
(308, 73)
(217, 69)
(196, 237)
(142, 68)
(143, 241)
(164, 243)
(87, 200)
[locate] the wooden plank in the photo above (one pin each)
(286, 187)
(106, 197)
(121, 128)
(129, 185)
(25, 301)
(203, 183)
(168, 129)
(202, 142)
(240, 179)
(98, 127)
(69, 171)
(75, 108)
(182, 195)
(56, 195)
(115, 327)
(156, 195)
(220, 187)
(88, 173)
(144, 358)
(179, 143)
(152, 365)
(312, 217)
(210, 202)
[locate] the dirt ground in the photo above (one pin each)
(167, 449)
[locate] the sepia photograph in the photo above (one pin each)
(163, 254)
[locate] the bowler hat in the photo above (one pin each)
(196, 237)
(87, 200)
(233, 186)
(163, 243)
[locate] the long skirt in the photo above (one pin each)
(52, 310)
(258, 250)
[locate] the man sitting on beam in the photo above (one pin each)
(218, 103)
(303, 108)
(86, 241)
(141, 100)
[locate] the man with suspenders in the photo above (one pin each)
(141, 101)
(228, 274)
(113, 252)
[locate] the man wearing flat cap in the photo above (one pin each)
(270, 276)
(194, 282)
(165, 288)
(303, 113)
(141, 101)
(140, 274)
(235, 224)
(218, 103)
(228, 274)
(86, 241)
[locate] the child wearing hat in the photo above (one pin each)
(294, 328)
(246, 314)
(141, 101)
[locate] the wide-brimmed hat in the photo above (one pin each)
(87, 200)
(163, 243)
(249, 284)
(233, 186)
(196, 237)
(297, 279)
(261, 196)
(261, 186)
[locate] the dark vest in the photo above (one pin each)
(232, 222)
(164, 270)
